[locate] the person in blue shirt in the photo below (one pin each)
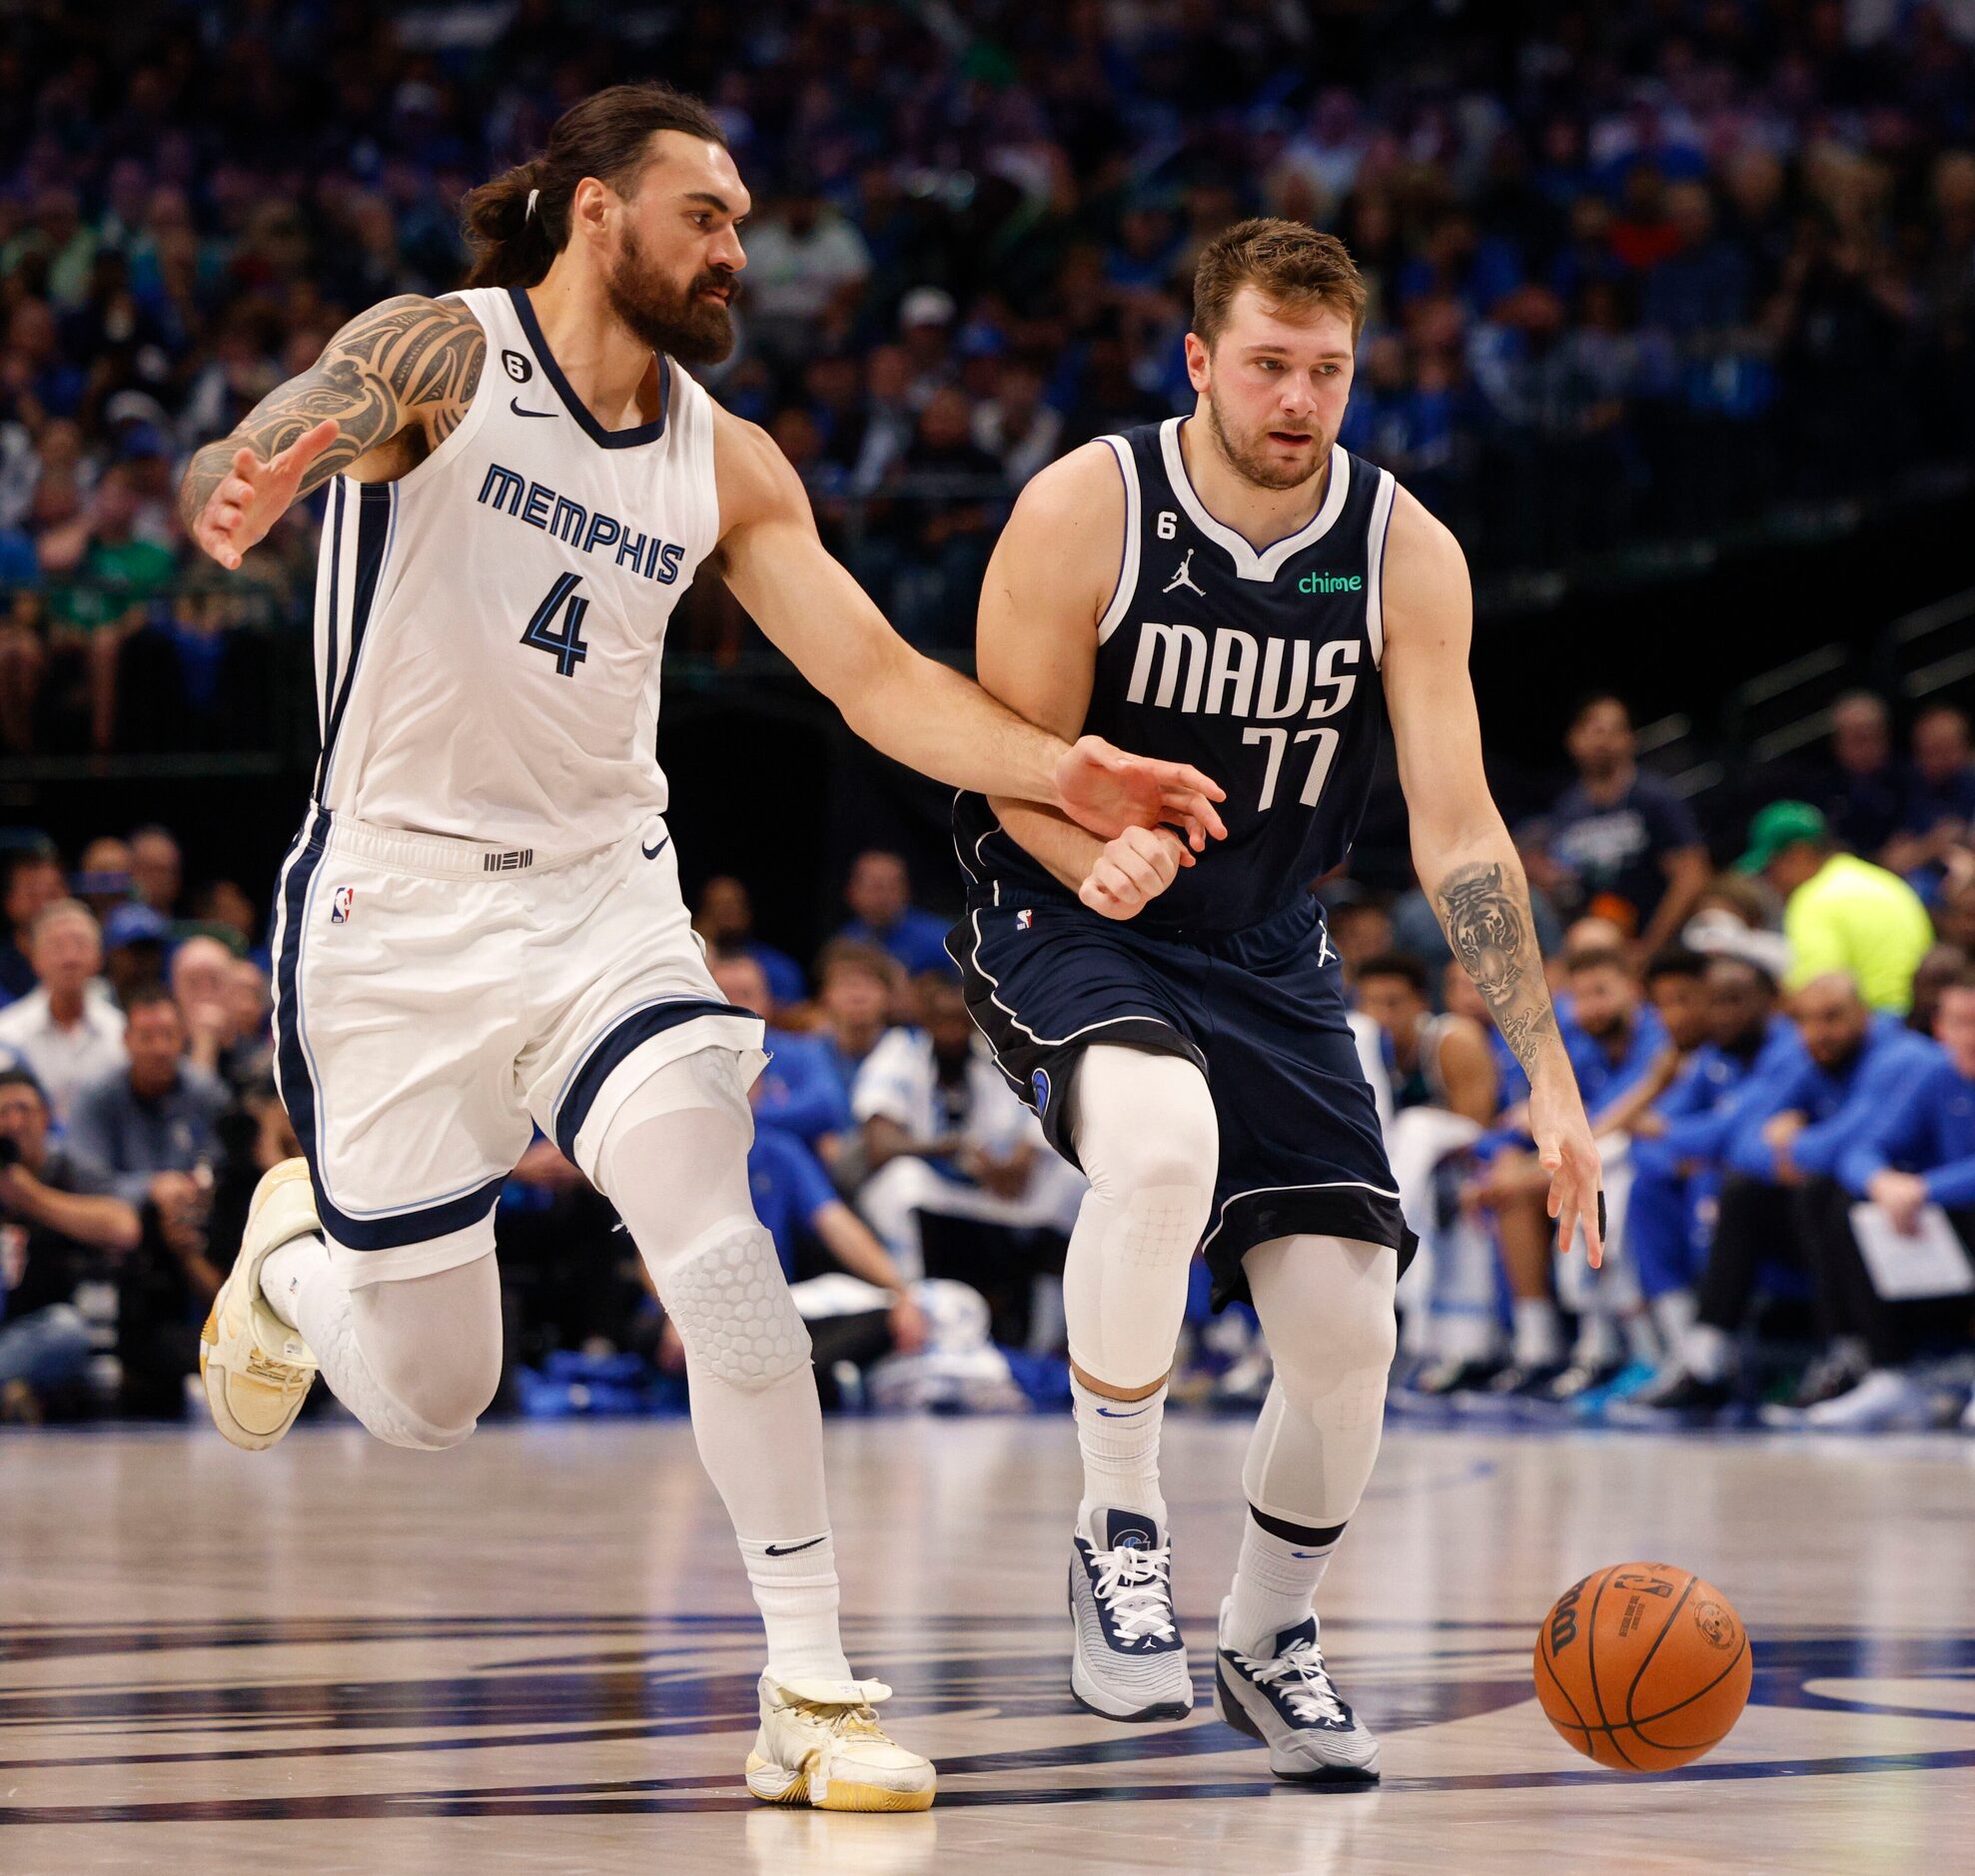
(879, 894)
(1938, 814)
(1780, 1165)
(725, 920)
(1917, 1150)
(799, 1091)
(1614, 1038)
(1680, 1144)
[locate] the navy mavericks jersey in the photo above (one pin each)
(1259, 667)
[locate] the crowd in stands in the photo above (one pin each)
(1634, 270)
(1779, 1062)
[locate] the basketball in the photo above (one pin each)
(1642, 1666)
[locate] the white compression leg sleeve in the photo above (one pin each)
(1146, 1132)
(1329, 1301)
(1326, 1305)
(674, 1164)
(415, 1358)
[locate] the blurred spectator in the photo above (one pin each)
(1429, 1061)
(1938, 817)
(807, 269)
(1781, 1159)
(1358, 927)
(1021, 432)
(946, 1137)
(134, 941)
(799, 1090)
(1932, 975)
(1919, 1151)
(59, 1226)
(157, 870)
(1627, 842)
(65, 1030)
(150, 1121)
(1840, 913)
(858, 985)
(725, 919)
(1868, 795)
(102, 879)
(879, 895)
(30, 879)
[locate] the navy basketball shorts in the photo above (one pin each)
(1261, 1013)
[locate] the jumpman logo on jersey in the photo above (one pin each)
(1182, 578)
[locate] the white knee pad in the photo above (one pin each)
(726, 1295)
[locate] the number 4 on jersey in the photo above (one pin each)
(568, 645)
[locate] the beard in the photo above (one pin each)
(1244, 455)
(691, 330)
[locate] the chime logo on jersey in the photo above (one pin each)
(341, 902)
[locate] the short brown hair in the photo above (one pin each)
(1289, 263)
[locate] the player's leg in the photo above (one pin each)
(1326, 1305)
(673, 1160)
(1147, 1137)
(415, 1358)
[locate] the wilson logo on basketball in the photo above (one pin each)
(1563, 1618)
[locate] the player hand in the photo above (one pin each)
(908, 1326)
(1568, 1154)
(1106, 790)
(252, 496)
(1133, 870)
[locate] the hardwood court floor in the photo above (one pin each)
(536, 1654)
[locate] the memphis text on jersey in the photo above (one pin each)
(588, 531)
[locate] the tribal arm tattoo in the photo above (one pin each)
(407, 361)
(1484, 907)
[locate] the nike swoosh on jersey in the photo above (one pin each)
(651, 853)
(789, 1550)
(520, 409)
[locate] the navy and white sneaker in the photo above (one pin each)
(1288, 1701)
(1128, 1661)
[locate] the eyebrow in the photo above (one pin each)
(1266, 350)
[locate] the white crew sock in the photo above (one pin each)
(1597, 1339)
(1673, 1314)
(1641, 1339)
(795, 1588)
(285, 1268)
(1539, 1332)
(1120, 1441)
(1274, 1584)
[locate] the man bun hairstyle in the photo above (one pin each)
(519, 223)
(1295, 267)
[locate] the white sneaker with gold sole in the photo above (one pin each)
(257, 1369)
(820, 1744)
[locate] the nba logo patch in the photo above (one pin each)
(341, 902)
(1039, 1086)
(1024, 919)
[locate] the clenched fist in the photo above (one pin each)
(1133, 870)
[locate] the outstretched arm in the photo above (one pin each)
(403, 373)
(1463, 852)
(916, 710)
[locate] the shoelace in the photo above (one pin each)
(858, 1717)
(1134, 1585)
(1304, 1681)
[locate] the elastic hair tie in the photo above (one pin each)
(529, 210)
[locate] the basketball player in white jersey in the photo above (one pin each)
(1234, 589)
(479, 925)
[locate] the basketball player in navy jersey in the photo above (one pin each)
(481, 925)
(1235, 589)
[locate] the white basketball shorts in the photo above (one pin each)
(432, 997)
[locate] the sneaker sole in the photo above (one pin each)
(1228, 1706)
(776, 1784)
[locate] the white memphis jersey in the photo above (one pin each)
(489, 626)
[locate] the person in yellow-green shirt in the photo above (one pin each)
(1840, 913)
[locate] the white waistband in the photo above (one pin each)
(436, 855)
